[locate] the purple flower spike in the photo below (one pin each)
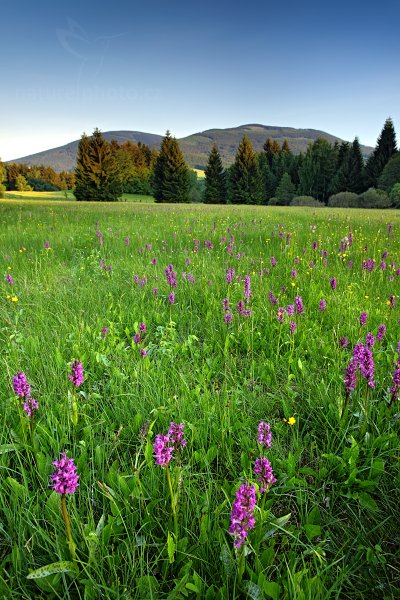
(30, 405)
(21, 386)
(381, 332)
(65, 478)
(242, 515)
(333, 283)
(263, 469)
(77, 374)
(395, 389)
(298, 302)
(363, 319)
(322, 305)
(175, 433)
(369, 340)
(264, 437)
(367, 367)
(162, 450)
(292, 327)
(9, 279)
(350, 377)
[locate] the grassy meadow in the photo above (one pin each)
(64, 195)
(226, 345)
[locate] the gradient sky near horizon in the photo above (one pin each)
(184, 66)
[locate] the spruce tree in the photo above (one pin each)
(356, 168)
(215, 179)
(268, 179)
(97, 176)
(245, 180)
(285, 147)
(285, 190)
(390, 174)
(3, 177)
(384, 150)
(271, 147)
(317, 170)
(171, 174)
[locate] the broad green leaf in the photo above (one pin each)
(252, 590)
(8, 448)
(271, 589)
(171, 546)
(312, 531)
(276, 524)
(367, 501)
(57, 567)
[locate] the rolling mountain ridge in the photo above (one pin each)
(195, 147)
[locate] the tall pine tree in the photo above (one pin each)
(171, 174)
(215, 179)
(97, 176)
(285, 190)
(245, 184)
(385, 148)
(3, 177)
(317, 170)
(356, 168)
(271, 147)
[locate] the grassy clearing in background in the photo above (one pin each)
(329, 527)
(68, 195)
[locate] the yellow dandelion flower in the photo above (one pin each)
(291, 421)
(14, 299)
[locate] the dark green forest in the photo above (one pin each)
(333, 174)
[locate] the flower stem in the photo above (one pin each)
(71, 544)
(173, 503)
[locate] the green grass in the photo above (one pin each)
(329, 527)
(68, 195)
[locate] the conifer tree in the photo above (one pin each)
(390, 174)
(268, 179)
(3, 176)
(285, 190)
(285, 147)
(384, 150)
(271, 147)
(356, 168)
(245, 178)
(171, 174)
(97, 176)
(317, 170)
(215, 179)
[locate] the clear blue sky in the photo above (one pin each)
(148, 66)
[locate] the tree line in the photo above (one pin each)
(24, 178)
(334, 174)
(326, 174)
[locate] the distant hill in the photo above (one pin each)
(195, 147)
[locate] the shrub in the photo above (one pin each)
(373, 198)
(344, 200)
(273, 201)
(306, 201)
(394, 196)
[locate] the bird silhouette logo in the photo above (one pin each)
(90, 50)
